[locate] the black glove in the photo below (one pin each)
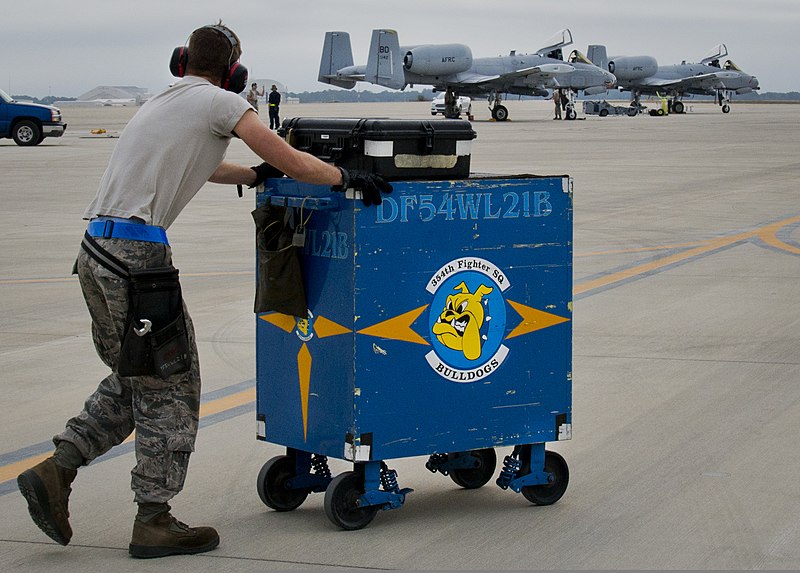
(369, 184)
(263, 172)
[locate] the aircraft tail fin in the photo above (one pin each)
(336, 54)
(597, 55)
(385, 62)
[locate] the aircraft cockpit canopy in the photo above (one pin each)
(729, 65)
(576, 56)
(715, 54)
(552, 49)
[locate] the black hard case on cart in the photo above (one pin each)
(392, 148)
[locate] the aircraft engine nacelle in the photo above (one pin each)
(438, 60)
(633, 67)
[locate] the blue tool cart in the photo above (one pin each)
(439, 323)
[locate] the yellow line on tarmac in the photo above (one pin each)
(769, 233)
(12, 470)
(712, 245)
(640, 250)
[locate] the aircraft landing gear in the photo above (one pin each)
(499, 112)
(678, 107)
(723, 100)
(569, 108)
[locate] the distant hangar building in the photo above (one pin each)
(111, 95)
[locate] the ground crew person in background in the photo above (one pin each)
(253, 94)
(274, 101)
(173, 145)
(557, 102)
(449, 104)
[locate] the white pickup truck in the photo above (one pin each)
(463, 105)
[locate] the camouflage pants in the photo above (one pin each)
(164, 413)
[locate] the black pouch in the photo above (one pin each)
(156, 342)
(280, 286)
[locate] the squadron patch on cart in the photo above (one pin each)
(467, 319)
(304, 327)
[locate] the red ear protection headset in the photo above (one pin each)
(235, 78)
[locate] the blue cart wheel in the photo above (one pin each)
(272, 487)
(550, 493)
(341, 502)
(473, 478)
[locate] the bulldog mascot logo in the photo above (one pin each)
(459, 325)
(467, 319)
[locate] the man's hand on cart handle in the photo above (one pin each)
(264, 172)
(370, 185)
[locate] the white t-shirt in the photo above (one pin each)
(167, 152)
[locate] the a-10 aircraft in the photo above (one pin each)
(452, 67)
(642, 75)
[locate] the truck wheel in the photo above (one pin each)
(27, 133)
(603, 112)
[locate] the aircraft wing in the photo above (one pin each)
(543, 72)
(475, 79)
(714, 80)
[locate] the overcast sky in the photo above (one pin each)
(66, 48)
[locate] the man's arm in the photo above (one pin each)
(275, 151)
(233, 174)
(279, 155)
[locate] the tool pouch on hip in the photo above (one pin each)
(156, 342)
(280, 285)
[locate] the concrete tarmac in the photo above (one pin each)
(686, 373)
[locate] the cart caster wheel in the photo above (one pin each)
(473, 478)
(341, 499)
(272, 485)
(550, 493)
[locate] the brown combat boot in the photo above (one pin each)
(164, 535)
(46, 487)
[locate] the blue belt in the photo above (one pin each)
(117, 229)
